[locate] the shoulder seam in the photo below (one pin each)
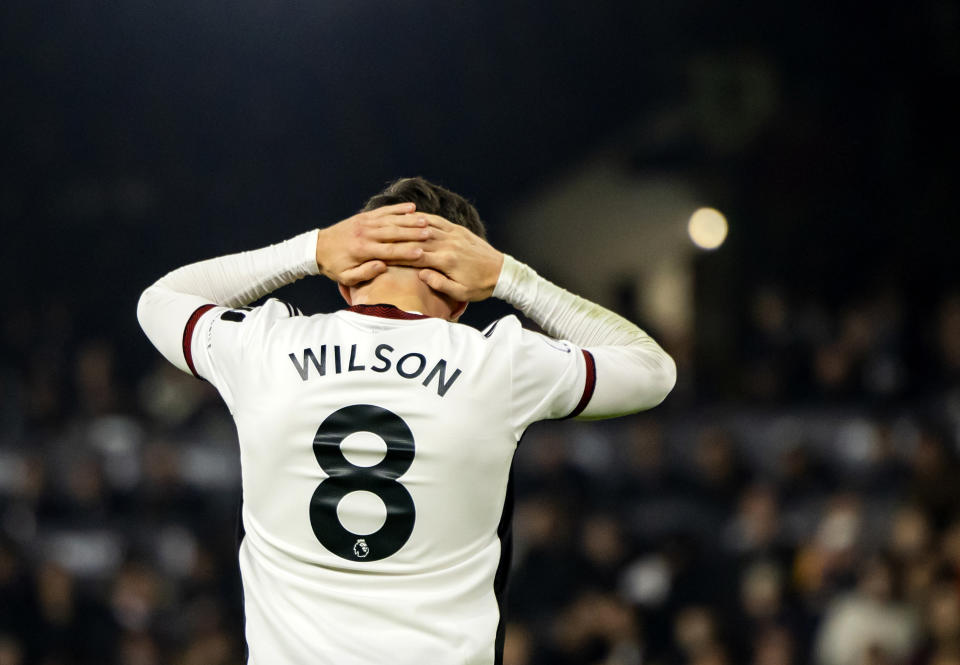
(488, 331)
(291, 310)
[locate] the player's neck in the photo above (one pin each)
(407, 304)
(403, 290)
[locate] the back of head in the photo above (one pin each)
(431, 199)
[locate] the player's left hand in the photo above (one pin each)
(457, 262)
(358, 248)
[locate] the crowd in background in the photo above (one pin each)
(771, 530)
(881, 348)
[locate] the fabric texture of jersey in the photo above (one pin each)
(375, 453)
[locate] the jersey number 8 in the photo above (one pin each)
(380, 479)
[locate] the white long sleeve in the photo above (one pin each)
(632, 372)
(232, 281)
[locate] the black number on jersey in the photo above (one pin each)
(380, 479)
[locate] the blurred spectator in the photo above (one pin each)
(771, 365)
(719, 474)
(138, 649)
(942, 623)
(648, 472)
(934, 468)
(756, 525)
(518, 645)
(828, 562)
(171, 397)
(603, 552)
(948, 338)
(761, 592)
(773, 646)
(803, 476)
(94, 376)
(696, 637)
(910, 535)
(11, 653)
(596, 628)
(545, 555)
(868, 625)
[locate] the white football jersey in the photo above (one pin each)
(376, 448)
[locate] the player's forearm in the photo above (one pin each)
(633, 371)
(561, 313)
(231, 281)
(239, 279)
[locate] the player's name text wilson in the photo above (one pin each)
(334, 359)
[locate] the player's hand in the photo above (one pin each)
(358, 248)
(458, 263)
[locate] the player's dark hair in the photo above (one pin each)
(432, 199)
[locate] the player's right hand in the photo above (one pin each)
(358, 248)
(458, 262)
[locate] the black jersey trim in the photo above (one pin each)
(290, 308)
(187, 342)
(501, 577)
(234, 316)
(589, 385)
(491, 328)
(385, 312)
(241, 534)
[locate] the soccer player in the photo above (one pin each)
(376, 441)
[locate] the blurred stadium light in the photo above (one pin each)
(707, 228)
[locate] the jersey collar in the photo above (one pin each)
(385, 311)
